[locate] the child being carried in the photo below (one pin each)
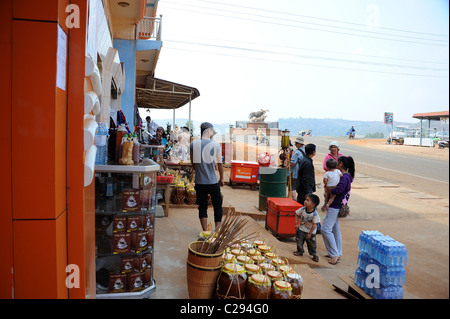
(330, 179)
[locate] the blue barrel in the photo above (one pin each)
(272, 183)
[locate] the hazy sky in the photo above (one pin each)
(349, 59)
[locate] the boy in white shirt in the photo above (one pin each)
(306, 220)
(330, 179)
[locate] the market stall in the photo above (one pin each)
(162, 94)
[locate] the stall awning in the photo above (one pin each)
(162, 94)
(431, 115)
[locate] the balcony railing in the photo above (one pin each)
(149, 28)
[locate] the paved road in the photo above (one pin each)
(419, 173)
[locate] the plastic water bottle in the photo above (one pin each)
(101, 141)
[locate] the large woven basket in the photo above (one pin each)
(201, 259)
(201, 280)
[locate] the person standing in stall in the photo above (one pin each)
(205, 153)
(151, 127)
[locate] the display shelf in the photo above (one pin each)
(125, 207)
(129, 295)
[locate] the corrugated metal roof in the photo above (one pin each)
(431, 115)
(162, 94)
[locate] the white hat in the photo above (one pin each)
(334, 143)
(299, 140)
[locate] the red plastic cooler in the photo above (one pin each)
(280, 216)
(244, 172)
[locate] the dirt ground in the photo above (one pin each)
(418, 220)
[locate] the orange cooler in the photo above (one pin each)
(244, 172)
(280, 217)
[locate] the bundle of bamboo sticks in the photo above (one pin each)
(229, 232)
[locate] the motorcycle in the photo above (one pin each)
(351, 134)
(443, 144)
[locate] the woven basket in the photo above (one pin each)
(191, 198)
(201, 280)
(178, 199)
(178, 195)
(201, 259)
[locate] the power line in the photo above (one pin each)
(309, 56)
(311, 23)
(311, 28)
(325, 19)
(309, 49)
(305, 64)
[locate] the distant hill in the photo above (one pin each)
(319, 127)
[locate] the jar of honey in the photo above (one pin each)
(264, 249)
(257, 243)
(274, 275)
(258, 287)
(277, 262)
(253, 252)
(281, 290)
(235, 246)
(252, 269)
(232, 281)
(228, 258)
(238, 252)
(245, 245)
(258, 259)
(267, 267)
(242, 260)
(285, 269)
(271, 255)
(296, 282)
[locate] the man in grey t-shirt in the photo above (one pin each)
(205, 153)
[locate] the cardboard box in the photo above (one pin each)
(121, 243)
(131, 200)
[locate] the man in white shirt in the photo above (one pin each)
(151, 126)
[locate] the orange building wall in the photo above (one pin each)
(80, 199)
(6, 263)
(47, 214)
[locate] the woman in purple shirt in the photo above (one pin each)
(331, 232)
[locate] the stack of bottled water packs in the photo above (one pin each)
(381, 261)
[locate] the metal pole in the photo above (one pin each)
(420, 141)
(189, 125)
(173, 121)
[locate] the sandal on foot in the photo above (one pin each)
(334, 263)
(315, 258)
(297, 253)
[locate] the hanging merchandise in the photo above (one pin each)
(122, 120)
(101, 141)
